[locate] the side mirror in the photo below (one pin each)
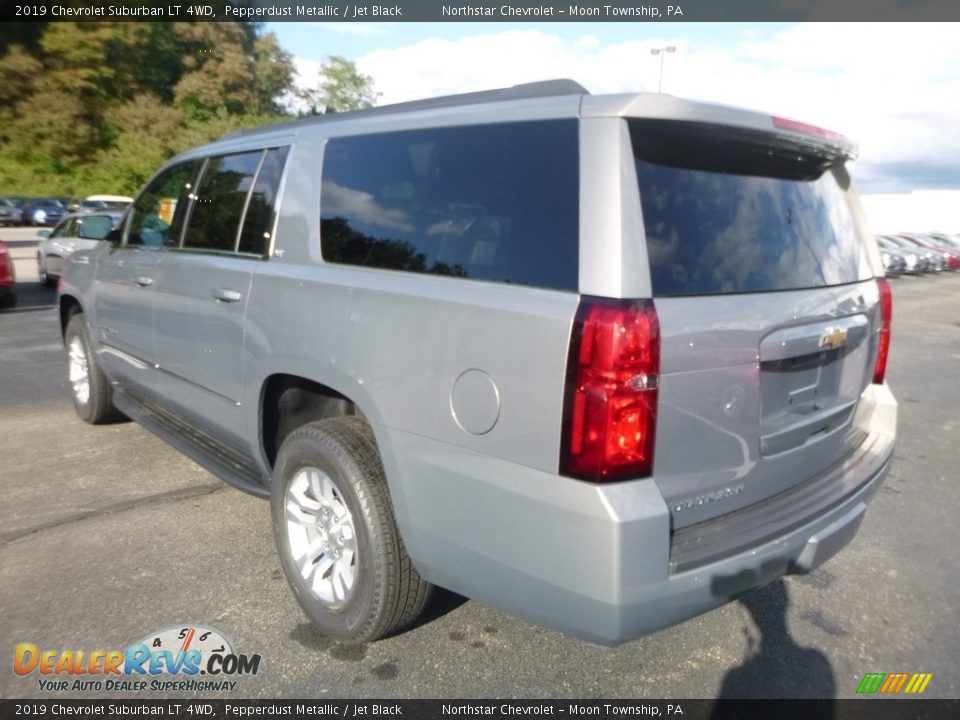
(43, 233)
(114, 237)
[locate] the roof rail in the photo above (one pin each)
(523, 91)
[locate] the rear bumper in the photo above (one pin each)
(594, 561)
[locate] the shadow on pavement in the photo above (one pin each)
(775, 666)
(32, 296)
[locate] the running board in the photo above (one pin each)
(202, 449)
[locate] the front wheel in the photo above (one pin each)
(89, 388)
(336, 536)
(42, 274)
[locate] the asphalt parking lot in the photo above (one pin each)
(107, 535)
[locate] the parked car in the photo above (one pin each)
(106, 202)
(905, 261)
(8, 278)
(893, 263)
(10, 212)
(90, 206)
(943, 241)
(949, 258)
(927, 260)
(43, 211)
(75, 232)
(18, 201)
(564, 354)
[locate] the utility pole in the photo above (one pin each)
(661, 51)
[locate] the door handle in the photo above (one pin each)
(226, 295)
(144, 281)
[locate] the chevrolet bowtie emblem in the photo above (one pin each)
(833, 337)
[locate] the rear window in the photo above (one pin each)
(730, 211)
(487, 202)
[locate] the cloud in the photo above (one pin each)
(362, 208)
(358, 29)
(892, 87)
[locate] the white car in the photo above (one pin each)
(74, 232)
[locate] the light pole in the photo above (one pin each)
(661, 51)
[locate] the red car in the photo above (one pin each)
(8, 278)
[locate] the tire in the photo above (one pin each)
(90, 390)
(45, 279)
(329, 487)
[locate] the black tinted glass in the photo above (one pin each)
(159, 211)
(487, 202)
(258, 222)
(736, 213)
(218, 207)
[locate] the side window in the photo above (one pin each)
(261, 210)
(221, 196)
(158, 214)
(487, 202)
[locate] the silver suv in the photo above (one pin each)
(604, 362)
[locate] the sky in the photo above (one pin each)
(892, 87)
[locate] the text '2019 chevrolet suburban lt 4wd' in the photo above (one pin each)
(604, 362)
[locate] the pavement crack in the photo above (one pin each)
(171, 495)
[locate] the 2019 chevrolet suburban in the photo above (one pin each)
(604, 362)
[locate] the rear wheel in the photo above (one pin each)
(89, 388)
(336, 536)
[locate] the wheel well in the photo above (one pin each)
(289, 401)
(69, 306)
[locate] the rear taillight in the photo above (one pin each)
(610, 400)
(883, 341)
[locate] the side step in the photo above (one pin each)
(199, 447)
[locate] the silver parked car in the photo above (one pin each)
(10, 212)
(899, 260)
(605, 362)
(75, 232)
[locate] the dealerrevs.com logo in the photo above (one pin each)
(172, 659)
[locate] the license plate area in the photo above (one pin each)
(810, 379)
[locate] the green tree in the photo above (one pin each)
(97, 107)
(273, 73)
(217, 69)
(19, 71)
(146, 132)
(342, 88)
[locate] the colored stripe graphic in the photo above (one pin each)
(894, 683)
(918, 683)
(871, 683)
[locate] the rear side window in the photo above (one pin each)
(486, 202)
(727, 211)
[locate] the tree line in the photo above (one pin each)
(91, 108)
